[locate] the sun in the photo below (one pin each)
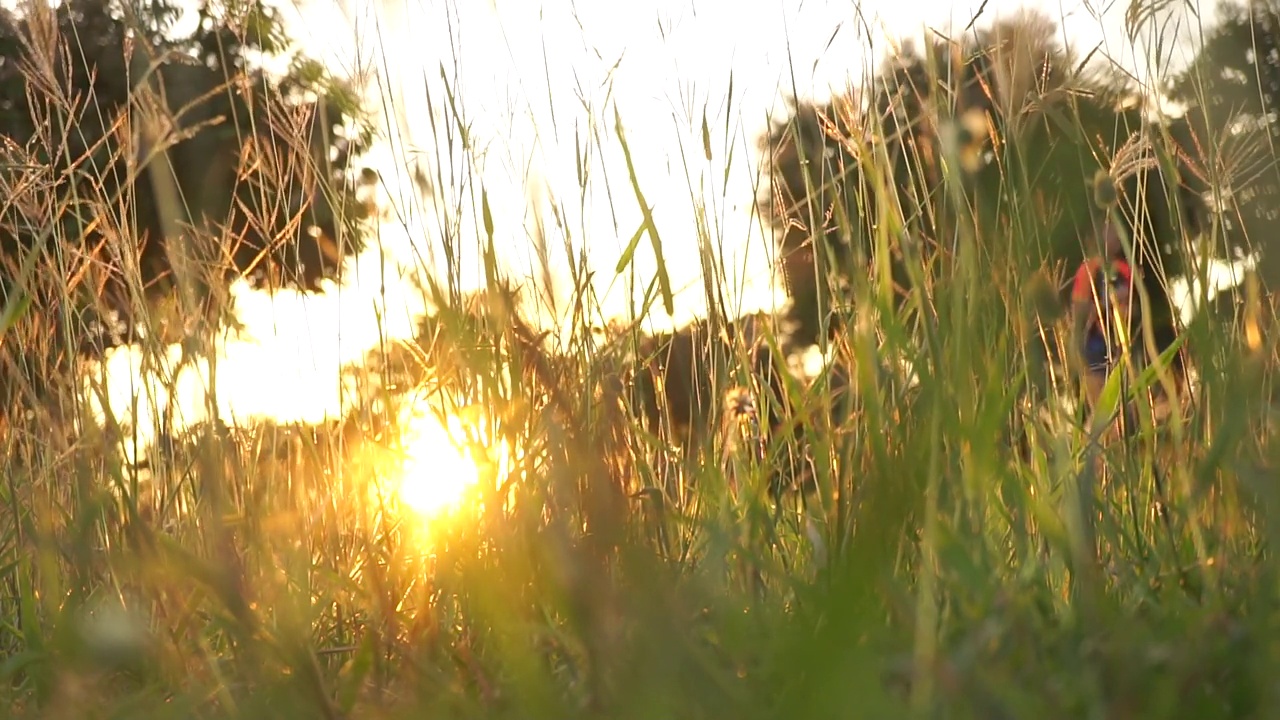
(437, 472)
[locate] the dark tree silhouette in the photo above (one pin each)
(126, 146)
(682, 384)
(1031, 129)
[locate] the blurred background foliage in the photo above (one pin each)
(1030, 125)
(128, 145)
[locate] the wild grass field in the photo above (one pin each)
(605, 522)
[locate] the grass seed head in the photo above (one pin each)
(1105, 195)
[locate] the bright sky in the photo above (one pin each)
(538, 83)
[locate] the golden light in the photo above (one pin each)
(438, 470)
(447, 462)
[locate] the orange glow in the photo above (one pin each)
(438, 470)
(445, 462)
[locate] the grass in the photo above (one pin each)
(936, 572)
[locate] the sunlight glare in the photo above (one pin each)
(437, 472)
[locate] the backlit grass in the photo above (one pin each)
(529, 546)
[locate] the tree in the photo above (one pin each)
(1031, 129)
(1232, 91)
(128, 146)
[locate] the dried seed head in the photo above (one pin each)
(741, 427)
(739, 405)
(1041, 299)
(1105, 195)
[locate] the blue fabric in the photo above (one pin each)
(1098, 357)
(1096, 353)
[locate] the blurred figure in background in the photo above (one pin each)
(1102, 314)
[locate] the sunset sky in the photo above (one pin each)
(539, 83)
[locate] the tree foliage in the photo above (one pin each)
(132, 150)
(1029, 126)
(126, 142)
(1231, 90)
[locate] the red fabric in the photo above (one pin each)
(1083, 288)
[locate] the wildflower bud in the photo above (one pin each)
(1104, 190)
